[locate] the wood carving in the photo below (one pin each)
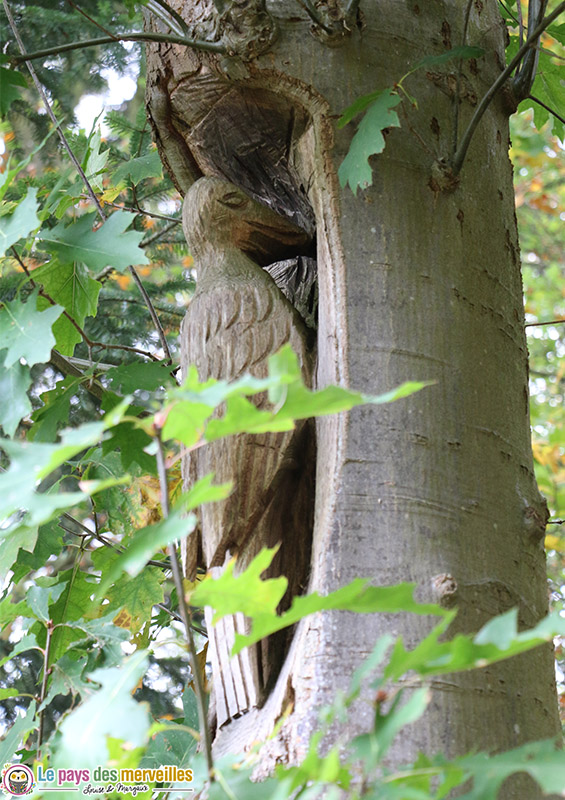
(236, 319)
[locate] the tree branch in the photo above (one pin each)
(539, 324)
(526, 73)
(547, 108)
(138, 36)
(175, 17)
(456, 98)
(185, 614)
(459, 156)
(314, 16)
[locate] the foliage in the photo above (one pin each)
(89, 609)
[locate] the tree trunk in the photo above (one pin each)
(417, 281)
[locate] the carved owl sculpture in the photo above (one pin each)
(236, 319)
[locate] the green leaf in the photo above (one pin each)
(29, 642)
(9, 610)
(131, 377)
(39, 598)
(25, 332)
(66, 678)
(286, 390)
(204, 491)
(357, 107)
(95, 161)
(73, 288)
(136, 169)
(14, 402)
(18, 734)
(371, 747)
(497, 640)
(30, 462)
(9, 80)
(461, 52)
(110, 245)
(146, 543)
(542, 760)
(369, 140)
(136, 596)
(175, 746)
(110, 711)
(258, 599)
(20, 223)
(11, 542)
(48, 419)
(557, 32)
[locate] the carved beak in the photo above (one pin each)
(266, 236)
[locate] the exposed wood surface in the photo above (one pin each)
(237, 318)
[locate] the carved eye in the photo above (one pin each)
(233, 200)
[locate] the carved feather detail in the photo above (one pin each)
(237, 318)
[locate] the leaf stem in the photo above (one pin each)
(185, 614)
(461, 152)
(547, 108)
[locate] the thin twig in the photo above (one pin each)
(547, 108)
(160, 233)
(457, 98)
(170, 311)
(87, 533)
(520, 22)
(90, 19)
(46, 671)
(152, 313)
(178, 618)
(137, 36)
(185, 614)
(174, 15)
(550, 322)
(459, 156)
(314, 16)
(556, 521)
(144, 211)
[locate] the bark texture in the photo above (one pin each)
(415, 282)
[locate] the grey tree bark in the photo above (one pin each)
(419, 279)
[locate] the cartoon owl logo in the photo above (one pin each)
(17, 780)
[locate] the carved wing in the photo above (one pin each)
(229, 331)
